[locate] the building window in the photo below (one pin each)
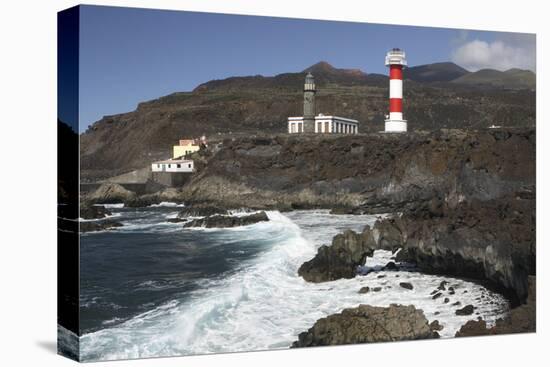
(158, 165)
(189, 165)
(179, 165)
(326, 127)
(292, 128)
(169, 166)
(319, 126)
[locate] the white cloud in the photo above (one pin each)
(510, 51)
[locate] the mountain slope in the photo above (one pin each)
(437, 72)
(260, 105)
(512, 78)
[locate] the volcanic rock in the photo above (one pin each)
(100, 225)
(340, 260)
(435, 326)
(93, 211)
(368, 324)
(201, 210)
(225, 221)
(109, 193)
(466, 310)
(521, 319)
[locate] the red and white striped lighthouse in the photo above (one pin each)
(396, 60)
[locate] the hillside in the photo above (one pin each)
(437, 72)
(512, 78)
(252, 105)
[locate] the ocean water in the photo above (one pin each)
(152, 288)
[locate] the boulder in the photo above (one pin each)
(368, 324)
(464, 311)
(340, 260)
(100, 225)
(406, 285)
(226, 221)
(109, 193)
(435, 326)
(93, 211)
(201, 210)
(176, 220)
(364, 290)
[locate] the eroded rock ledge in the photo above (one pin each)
(521, 319)
(493, 240)
(226, 221)
(368, 324)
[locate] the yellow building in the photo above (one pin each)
(185, 147)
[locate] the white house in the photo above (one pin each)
(173, 165)
(324, 124)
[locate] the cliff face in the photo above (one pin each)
(374, 173)
(260, 105)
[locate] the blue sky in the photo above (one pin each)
(130, 55)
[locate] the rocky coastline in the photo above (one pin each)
(361, 174)
(460, 203)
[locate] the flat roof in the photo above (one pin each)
(324, 117)
(170, 161)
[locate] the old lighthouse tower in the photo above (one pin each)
(309, 104)
(318, 124)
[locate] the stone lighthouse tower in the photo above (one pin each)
(309, 104)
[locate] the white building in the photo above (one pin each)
(324, 124)
(173, 165)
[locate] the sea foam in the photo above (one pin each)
(265, 304)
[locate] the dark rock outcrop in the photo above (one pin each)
(406, 285)
(368, 324)
(464, 311)
(109, 193)
(490, 240)
(94, 212)
(340, 260)
(201, 210)
(371, 173)
(225, 221)
(100, 225)
(364, 290)
(521, 319)
(435, 326)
